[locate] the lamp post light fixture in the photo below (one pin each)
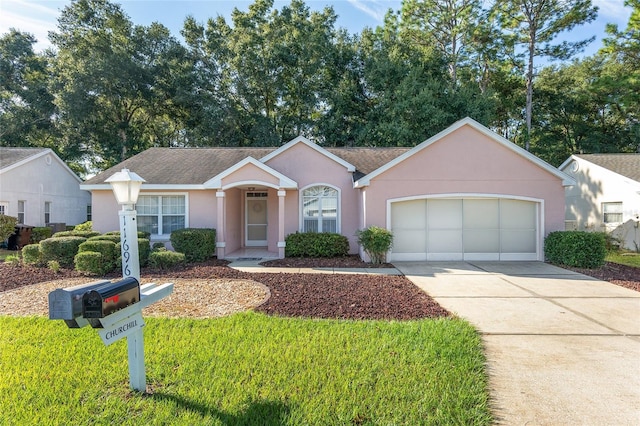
(126, 188)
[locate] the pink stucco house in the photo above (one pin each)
(464, 194)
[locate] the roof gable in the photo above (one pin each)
(300, 139)
(218, 181)
(566, 180)
(12, 158)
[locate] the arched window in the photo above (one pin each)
(320, 209)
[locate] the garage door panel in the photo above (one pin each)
(409, 215)
(481, 241)
(481, 214)
(409, 241)
(517, 214)
(444, 241)
(444, 214)
(518, 241)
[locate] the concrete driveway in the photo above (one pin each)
(562, 348)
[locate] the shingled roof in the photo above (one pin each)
(627, 165)
(194, 166)
(11, 156)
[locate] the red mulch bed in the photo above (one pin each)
(293, 295)
(315, 295)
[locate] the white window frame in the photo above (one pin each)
(4, 207)
(22, 205)
(167, 194)
(47, 212)
(338, 207)
(617, 209)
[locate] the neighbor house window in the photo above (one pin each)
(21, 204)
(161, 214)
(88, 212)
(47, 212)
(4, 207)
(612, 212)
(320, 209)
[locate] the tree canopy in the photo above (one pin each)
(109, 89)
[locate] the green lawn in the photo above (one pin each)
(625, 258)
(248, 368)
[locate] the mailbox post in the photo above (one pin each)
(126, 188)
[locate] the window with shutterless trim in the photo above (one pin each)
(320, 209)
(161, 214)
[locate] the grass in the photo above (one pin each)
(624, 258)
(4, 253)
(248, 368)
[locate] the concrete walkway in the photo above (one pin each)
(253, 265)
(562, 348)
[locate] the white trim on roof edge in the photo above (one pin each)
(566, 179)
(301, 139)
(577, 158)
(216, 181)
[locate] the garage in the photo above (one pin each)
(465, 228)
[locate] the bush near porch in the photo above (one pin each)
(316, 244)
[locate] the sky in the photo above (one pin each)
(38, 17)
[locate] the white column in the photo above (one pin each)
(220, 227)
(281, 242)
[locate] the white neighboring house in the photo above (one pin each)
(38, 188)
(606, 196)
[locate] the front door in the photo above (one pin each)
(256, 219)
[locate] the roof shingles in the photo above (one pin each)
(195, 166)
(624, 164)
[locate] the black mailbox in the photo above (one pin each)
(66, 303)
(109, 298)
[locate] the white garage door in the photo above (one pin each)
(464, 229)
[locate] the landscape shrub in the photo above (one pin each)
(86, 226)
(106, 237)
(74, 233)
(93, 263)
(40, 233)
(197, 244)
(61, 249)
(144, 249)
(164, 259)
(31, 254)
(158, 246)
(376, 242)
(108, 250)
(12, 259)
(316, 244)
(54, 266)
(578, 249)
(141, 234)
(7, 226)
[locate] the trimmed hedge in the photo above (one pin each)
(83, 234)
(108, 250)
(40, 233)
(144, 249)
(316, 244)
(163, 259)
(31, 254)
(113, 238)
(141, 234)
(61, 249)
(197, 244)
(578, 249)
(93, 263)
